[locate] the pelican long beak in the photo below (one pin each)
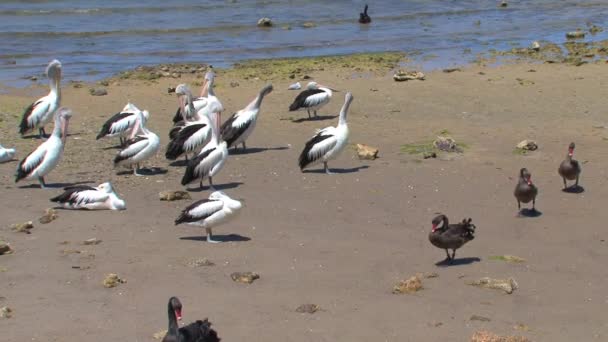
(64, 129)
(332, 89)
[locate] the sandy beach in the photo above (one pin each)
(339, 241)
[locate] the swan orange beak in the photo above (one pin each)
(434, 228)
(178, 314)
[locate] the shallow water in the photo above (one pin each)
(95, 39)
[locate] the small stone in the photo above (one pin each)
(479, 318)
(33, 78)
(244, 277)
(594, 29)
(286, 27)
(411, 285)
(535, 46)
(164, 68)
(98, 91)
(445, 143)
(112, 280)
(402, 75)
(174, 195)
(5, 248)
(431, 275)
(309, 25)
(201, 262)
(306, 77)
(508, 285)
(49, 215)
(23, 227)
(308, 308)
(104, 83)
(578, 34)
(504, 3)
(93, 241)
(234, 84)
(527, 145)
(6, 312)
(365, 152)
(429, 155)
(264, 22)
(176, 75)
(170, 90)
(450, 70)
(77, 85)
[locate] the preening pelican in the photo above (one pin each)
(40, 112)
(328, 142)
(313, 98)
(140, 146)
(183, 109)
(92, 198)
(240, 125)
(193, 134)
(121, 124)
(6, 154)
(48, 154)
(209, 213)
(210, 160)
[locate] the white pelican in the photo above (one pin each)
(139, 147)
(210, 160)
(239, 126)
(121, 124)
(193, 134)
(208, 213)
(183, 107)
(40, 112)
(328, 142)
(313, 98)
(47, 155)
(92, 198)
(6, 154)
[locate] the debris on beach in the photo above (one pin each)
(535, 46)
(411, 285)
(6, 312)
(308, 308)
(93, 241)
(174, 195)
(429, 155)
(403, 75)
(450, 70)
(446, 144)
(5, 248)
(521, 326)
(594, 29)
(524, 82)
(365, 152)
(170, 90)
(98, 91)
(264, 22)
(508, 285)
(309, 25)
(527, 145)
(234, 84)
(49, 215)
(23, 227)
(486, 336)
(200, 262)
(244, 277)
(479, 318)
(578, 34)
(160, 335)
(508, 258)
(295, 86)
(504, 4)
(112, 280)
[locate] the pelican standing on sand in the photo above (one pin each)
(46, 156)
(240, 125)
(313, 98)
(92, 198)
(328, 142)
(140, 146)
(210, 160)
(39, 113)
(184, 111)
(121, 124)
(6, 154)
(209, 213)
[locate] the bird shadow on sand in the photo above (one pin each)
(216, 187)
(251, 150)
(221, 238)
(115, 147)
(150, 171)
(529, 213)
(315, 118)
(338, 171)
(181, 162)
(457, 262)
(54, 185)
(575, 189)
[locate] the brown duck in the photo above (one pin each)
(451, 236)
(570, 169)
(525, 191)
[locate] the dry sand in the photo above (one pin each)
(339, 241)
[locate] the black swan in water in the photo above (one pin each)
(525, 191)
(570, 169)
(364, 18)
(451, 236)
(199, 331)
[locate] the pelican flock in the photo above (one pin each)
(328, 142)
(6, 154)
(141, 146)
(313, 98)
(47, 155)
(38, 114)
(100, 197)
(121, 124)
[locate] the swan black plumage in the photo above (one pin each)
(199, 331)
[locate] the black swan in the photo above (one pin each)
(570, 169)
(363, 17)
(451, 236)
(525, 191)
(199, 331)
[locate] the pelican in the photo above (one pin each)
(240, 125)
(193, 134)
(101, 197)
(6, 154)
(48, 154)
(39, 113)
(121, 124)
(183, 110)
(139, 147)
(313, 98)
(208, 213)
(327, 143)
(210, 160)
(213, 103)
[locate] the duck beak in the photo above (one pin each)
(570, 152)
(434, 228)
(529, 180)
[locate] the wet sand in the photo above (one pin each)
(339, 241)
